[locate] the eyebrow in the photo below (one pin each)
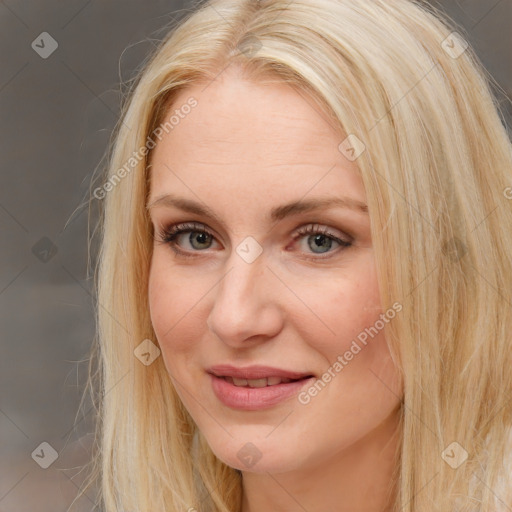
(276, 214)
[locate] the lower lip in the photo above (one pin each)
(253, 399)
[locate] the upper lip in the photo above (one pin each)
(255, 372)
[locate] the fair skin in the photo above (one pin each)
(245, 149)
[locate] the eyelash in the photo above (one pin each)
(169, 234)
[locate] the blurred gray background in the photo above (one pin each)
(57, 116)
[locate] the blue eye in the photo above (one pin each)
(320, 241)
(197, 235)
(203, 239)
(320, 238)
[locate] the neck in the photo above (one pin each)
(358, 479)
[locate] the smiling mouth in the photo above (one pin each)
(261, 383)
(260, 393)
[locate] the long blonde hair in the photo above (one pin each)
(437, 169)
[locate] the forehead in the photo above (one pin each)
(250, 136)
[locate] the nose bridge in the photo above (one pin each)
(246, 266)
(241, 283)
(242, 305)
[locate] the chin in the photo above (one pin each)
(263, 465)
(258, 456)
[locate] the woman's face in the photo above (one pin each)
(272, 269)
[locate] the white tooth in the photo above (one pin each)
(239, 382)
(257, 383)
(274, 380)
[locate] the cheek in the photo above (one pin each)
(360, 385)
(345, 303)
(349, 332)
(173, 302)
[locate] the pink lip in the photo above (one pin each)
(253, 399)
(255, 372)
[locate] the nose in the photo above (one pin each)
(246, 305)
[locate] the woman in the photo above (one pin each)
(304, 282)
